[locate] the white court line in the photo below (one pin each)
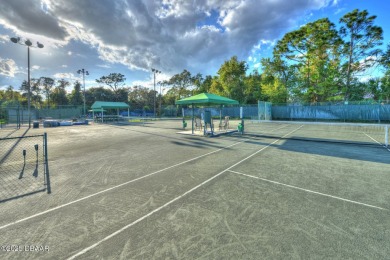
(388, 149)
(172, 201)
(372, 139)
(112, 188)
(310, 191)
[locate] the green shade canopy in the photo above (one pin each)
(99, 105)
(206, 98)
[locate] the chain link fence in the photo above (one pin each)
(17, 116)
(24, 166)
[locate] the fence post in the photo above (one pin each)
(46, 165)
(22, 116)
(18, 118)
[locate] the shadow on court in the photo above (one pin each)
(23, 195)
(327, 147)
(195, 141)
(376, 154)
(12, 148)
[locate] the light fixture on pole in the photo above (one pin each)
(154, 92)
(83, 72)
(29, 44)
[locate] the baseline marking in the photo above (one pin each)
(112, 188)
(172, 201)
(310, 191)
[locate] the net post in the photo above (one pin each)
(46, 165)
(386, 135)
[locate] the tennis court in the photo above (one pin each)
(142, 191)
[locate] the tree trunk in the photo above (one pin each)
(350, 60)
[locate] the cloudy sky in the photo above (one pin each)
(133, 36)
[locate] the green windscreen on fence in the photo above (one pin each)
(375, 113)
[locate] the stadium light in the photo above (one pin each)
(83, 72)
(29, 44)
(154, 92)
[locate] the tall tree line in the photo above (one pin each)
(45, 93)
(315, 63)
(318, 63)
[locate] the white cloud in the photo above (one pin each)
(257, 47)
(368, 61)
(4, 38)
(67, 76)
(105, 66)
(27, 16)
(170, 34)
(8, 67)
(339, 10)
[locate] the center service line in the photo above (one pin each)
(172, 201)
(112, 188)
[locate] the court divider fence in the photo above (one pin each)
(24, 168)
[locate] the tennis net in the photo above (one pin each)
(348, 133)
(150, 122)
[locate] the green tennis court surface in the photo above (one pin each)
(144, 192)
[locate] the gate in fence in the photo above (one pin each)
(24, 166)
(264, 110)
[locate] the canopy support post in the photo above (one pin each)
(220, 115)
(192, 123)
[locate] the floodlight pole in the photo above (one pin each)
(154, 90)
(154, 94)
(27, 43)
(29, 88)
(160, 100)
(83, 72)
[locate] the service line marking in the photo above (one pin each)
(172, 201)
(114, 187)
(310, 191)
